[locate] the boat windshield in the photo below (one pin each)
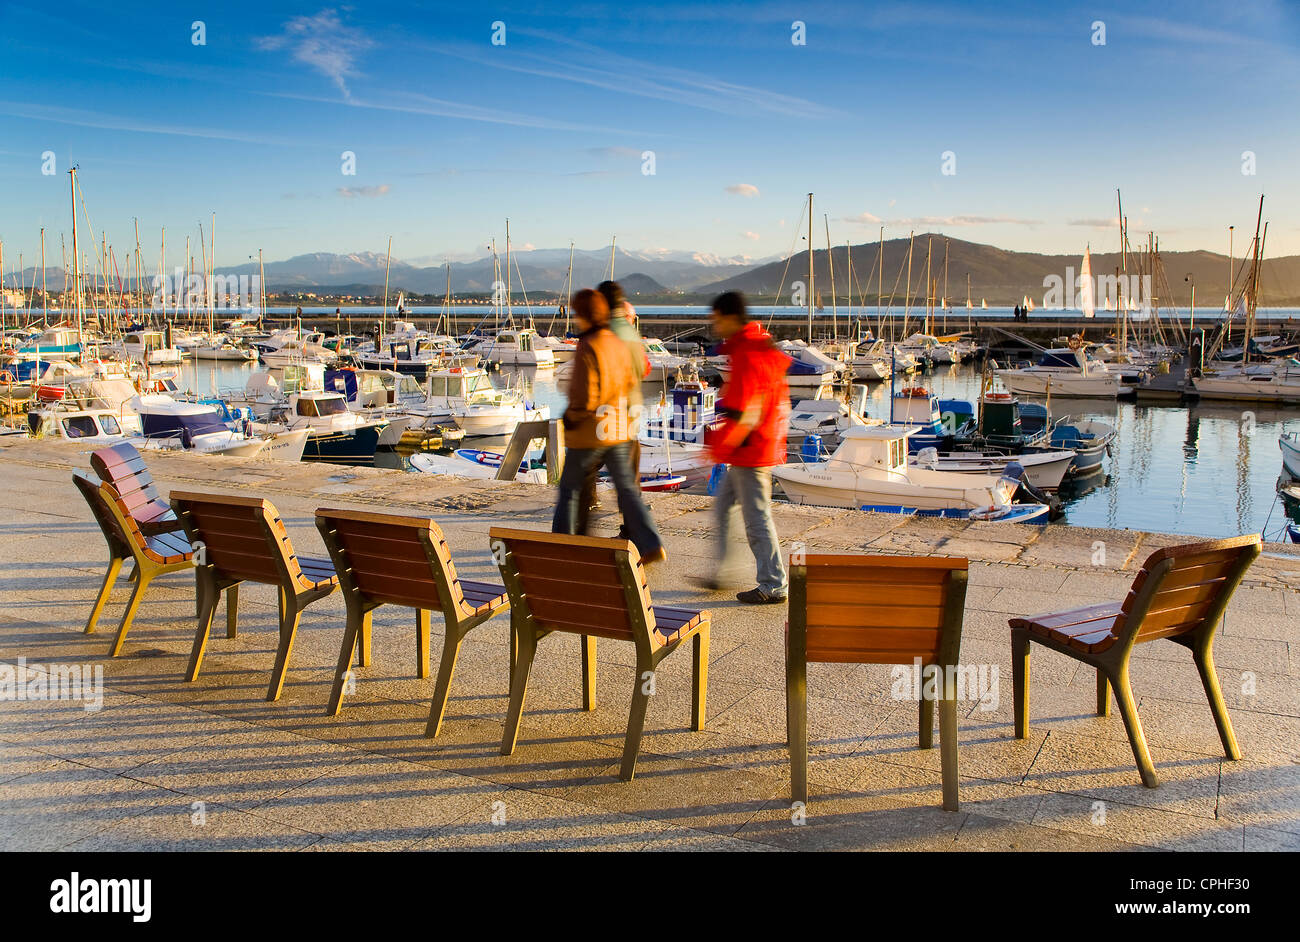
(80, 426)
(479, 389)
(314, 408)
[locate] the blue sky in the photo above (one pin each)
(452, 134)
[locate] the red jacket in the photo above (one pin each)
(757, 379)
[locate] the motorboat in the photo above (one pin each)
(94, 427)
(662, 363)
(485, 465)
(467, 398)
(870, 361)
(829, 418)
(1045, 470)
(518, 347)
(562, 349)
(336, 434)
(1278, 381)
(1064, 371)
(869, 468)
(417, 356)
(1289, 442)
(168, 424)
(149, 347)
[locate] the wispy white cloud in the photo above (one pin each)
(322, 42)
(439, 107)
(752, 236)
(624, 75)
(1095, 223)
(747, 190)
(368, 192)
(110, 122)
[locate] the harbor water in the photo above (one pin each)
(1207, 470)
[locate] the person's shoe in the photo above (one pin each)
(757, 596)
(655, 556)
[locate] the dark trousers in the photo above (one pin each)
(583, 464)
(590, 501)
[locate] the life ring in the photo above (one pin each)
(916, 392)
(1075, 343)
(998, 397)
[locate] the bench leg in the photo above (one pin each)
(925, 738)
(526, 649)
(1020, 680)
(700, 675)
(1210, 680)
(1133, 725)
(232, 612)
(288, 631)
(363, 643)
(132, 605)
(636, 720)
(796, 725)
(588, 672)
(341, 671)
(442, 688)
(1103, 693)
(110, 577)
(422, 643)
(948, 742)
(206, 589)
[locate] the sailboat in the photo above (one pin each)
(1087, 303)
(984, 304)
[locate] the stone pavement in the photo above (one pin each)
(166, 765)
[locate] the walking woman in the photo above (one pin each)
(598, 429)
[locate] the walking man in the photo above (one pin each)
(750, 439)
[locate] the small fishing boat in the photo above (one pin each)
(870, 468)
(662, 363)
(335, 433)
(149, 347)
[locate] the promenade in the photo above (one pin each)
(166, 765)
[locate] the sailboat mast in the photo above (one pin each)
(1227, 298)
(613, 241)
(1121, 311)
(810, 269)
(383, 317)
(929, 289)
(1254, 286)
(907, 296)
(45, 298)
(880, 285)
(568, 290)
(945, 285)
(510, 315)
(830, 260)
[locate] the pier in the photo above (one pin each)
(169, 765)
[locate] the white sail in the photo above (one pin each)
(1087, 303)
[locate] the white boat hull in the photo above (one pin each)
(1290, 445)
(1044, 470)
(817, 483)
(1093, 385)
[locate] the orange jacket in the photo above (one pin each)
(600, 387)
(756, 383)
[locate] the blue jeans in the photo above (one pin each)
(581, 463)
(751, 489)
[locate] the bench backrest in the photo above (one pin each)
(878, 609)
(122, 466)
(241, 537)
(121, 529)
(391, 559)
(581, 584)
(1185, 588)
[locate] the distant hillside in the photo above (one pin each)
(1000, 276)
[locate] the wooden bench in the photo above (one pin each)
(383, 559)
(154, 555)
(243, 539)
(122, 466)
(1180, 594)
(875, 610)
(595, 588)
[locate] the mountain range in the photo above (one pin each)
(1000, 276)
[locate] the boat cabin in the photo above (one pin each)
(320, 405)
(872, 446)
